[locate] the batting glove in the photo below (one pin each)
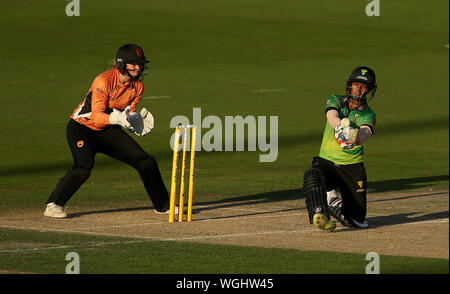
(345, 135)
(118, 117)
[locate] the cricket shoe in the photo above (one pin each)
(54, 211)
(167, 211)
(352, 223)
(323, 223)
(335, 209)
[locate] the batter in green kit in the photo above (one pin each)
(340, 164)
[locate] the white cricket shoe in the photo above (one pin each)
(168, 210)
(54, 211)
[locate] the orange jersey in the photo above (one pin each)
(105, 94)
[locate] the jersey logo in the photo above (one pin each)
(80, 144)
(361, 187)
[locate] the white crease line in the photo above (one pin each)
(250, 209)
(424, 222)
(146, 239)
(233, 218)
(34, 249)
(68, 246)
(237, 235)
(121, 226)
(77, 231)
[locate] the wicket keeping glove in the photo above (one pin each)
(149, 121)
(118, 117)
(345, 135)
(141, 123)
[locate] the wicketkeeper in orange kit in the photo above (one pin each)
(96, 127)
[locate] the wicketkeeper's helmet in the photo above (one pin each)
(131, 54)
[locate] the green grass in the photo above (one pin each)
(182, 257)
(213, 54)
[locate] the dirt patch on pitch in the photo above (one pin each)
(402, 224)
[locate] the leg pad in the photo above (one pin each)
(314, 188)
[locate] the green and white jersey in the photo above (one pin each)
(330, 148)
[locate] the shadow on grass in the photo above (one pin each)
(262, 198)
(408, 196)
(405, 218)
(404, 184)
(268, 197)
(112, 210)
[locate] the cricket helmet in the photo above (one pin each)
(131, 54)
(363, 75)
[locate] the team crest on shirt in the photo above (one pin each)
(80, 144)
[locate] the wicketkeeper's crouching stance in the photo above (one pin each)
(339, 166)
(95, 126)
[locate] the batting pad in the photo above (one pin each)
(314, 188)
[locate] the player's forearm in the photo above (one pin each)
(333, 118)
(98, 115)
(364, 135)
(100, 119)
